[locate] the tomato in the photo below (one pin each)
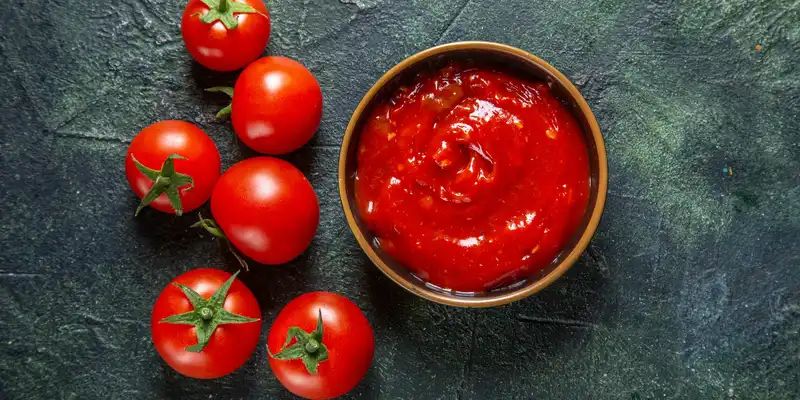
(266, 208)
(321, 345)
(172, 166)
(225, 35)
(211, 307)
(277, 105)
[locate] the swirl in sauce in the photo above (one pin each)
(472, 178)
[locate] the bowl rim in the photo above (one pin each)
(524, 290)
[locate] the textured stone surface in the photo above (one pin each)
(690, 289)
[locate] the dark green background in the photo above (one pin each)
(690, 289)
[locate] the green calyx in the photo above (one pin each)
(223, 10)
(211, 227)
(166, 181)
(307, 347)
(207, 314)
(227, 90)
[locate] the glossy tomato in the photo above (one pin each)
(225, 35)
(277, 105)
(205, 324)
(178, 165)
(331, 345)
(267, 209)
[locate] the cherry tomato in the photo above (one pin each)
(267, 209)
(172, 166)
(331, 351)
(277, 105)
(208, 327)
(226, 36)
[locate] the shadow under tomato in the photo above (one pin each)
(245, 151)
(274, 285)
(369, 387)
(167, 233)
(205, 78)
(172, 385)
(302, 158)
(168, 236)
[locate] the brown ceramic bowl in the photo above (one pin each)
(519, 63)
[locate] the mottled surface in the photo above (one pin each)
(690, 289)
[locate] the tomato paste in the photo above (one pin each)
(471, 177)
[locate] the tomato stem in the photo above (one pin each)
(223, 6)
(227, 110)
(212, 228)
(312, 346)
(206, 313)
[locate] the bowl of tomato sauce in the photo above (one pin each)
(473, 174)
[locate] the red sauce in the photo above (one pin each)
(472, 178)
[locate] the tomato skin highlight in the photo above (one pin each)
(157, 142)
(230, 345)
(277, 105)
(216, 47)
(347, 335)
(267, 209)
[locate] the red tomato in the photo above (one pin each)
(267, 209)
(233, 337)
(347, 338)
(277, 105)
(226, 37)
(199, 160)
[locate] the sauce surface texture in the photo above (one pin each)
(472, 178)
